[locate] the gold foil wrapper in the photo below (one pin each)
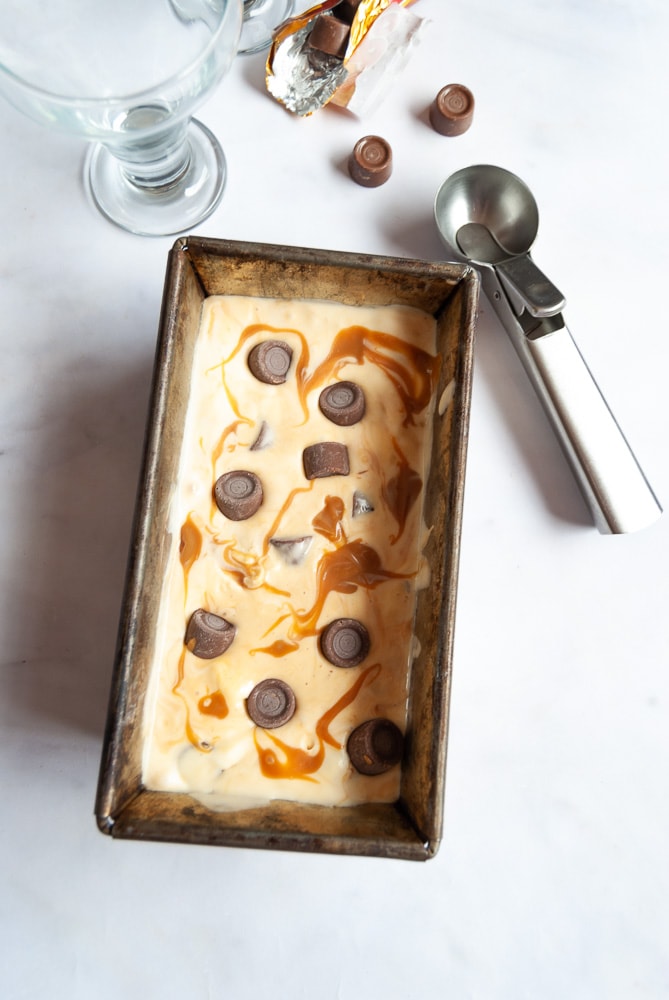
(381, 37)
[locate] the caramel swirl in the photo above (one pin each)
(401, 492)
(412, 371)
(279, 648)
(191, 735)
(298, 763)
(252, 331)
(354, 564)
(190, 544)
(214, 704)
(328, 521)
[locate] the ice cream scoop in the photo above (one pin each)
(488, 216)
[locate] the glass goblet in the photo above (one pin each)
(127, 76)
(261, 17)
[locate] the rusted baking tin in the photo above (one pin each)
(410, 828)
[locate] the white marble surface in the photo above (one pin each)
(552, 881)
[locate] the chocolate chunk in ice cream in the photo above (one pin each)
(270, 360)
(264, 438)
(344, 642)
(361, 504)
(208, 635)
(343, 403)
(238, 494)
(328, 458)
(271, 703)
(292, 550)
(375, 746)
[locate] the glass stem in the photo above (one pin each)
(157, 162)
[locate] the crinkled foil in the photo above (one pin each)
(383, 33)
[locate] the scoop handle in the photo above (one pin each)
(615, 487)
(522, 278)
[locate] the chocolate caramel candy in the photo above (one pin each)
(343, 403)
(361, 504)
(208, 635)
(270, 360)
(271, 703)
(375, 746)
(452, 110)
(238, 494)
(328, 458)
(329, 35)
(346, 10)
(371, 162)
(293, 551)
(264, 438)
(344, 642)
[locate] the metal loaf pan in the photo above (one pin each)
(411, 827)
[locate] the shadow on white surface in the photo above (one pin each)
(517, 405)
(253, 71)
(72, 531)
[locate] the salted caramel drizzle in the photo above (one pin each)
(282, 647)
(354, 564)
(214, 704)
(191, 735)
(297, 763)
(247, 570)
(328, 521)
(222, 441)
(252, 331)
(190, 544)
(401, 492)
(279, 517)
(412, 371)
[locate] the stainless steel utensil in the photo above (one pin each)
(488, 217)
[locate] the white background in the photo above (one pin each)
(552, 881)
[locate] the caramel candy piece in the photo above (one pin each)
(346, 9)
(371, 162)
(329, 458)
(292, 550)
(452, 110)
(238, 494)
(271, 703)
(208, 635)
(343, 403)
(264, 438)
(361, 504)
(344, 642)
(270, 360)
(329, 35)
(375, 746)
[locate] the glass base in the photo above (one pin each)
(261, 17)
(165, 210)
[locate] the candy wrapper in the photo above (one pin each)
(340, 53)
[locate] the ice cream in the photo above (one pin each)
(296, 538)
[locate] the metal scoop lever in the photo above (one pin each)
(527, 286)
(488, 217)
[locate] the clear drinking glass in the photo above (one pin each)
(261, 17)
(127, 75)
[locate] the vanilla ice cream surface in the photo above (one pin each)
(340, 545)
